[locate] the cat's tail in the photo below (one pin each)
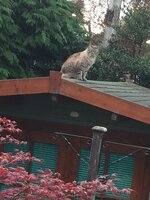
(64, 72)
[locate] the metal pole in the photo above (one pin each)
(98, 133)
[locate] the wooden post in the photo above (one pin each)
(98, 133)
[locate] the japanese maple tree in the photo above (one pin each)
(20, 184)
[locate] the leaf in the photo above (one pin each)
(4, 73)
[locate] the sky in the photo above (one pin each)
(95, 11)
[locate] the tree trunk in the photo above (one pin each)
(111, 19)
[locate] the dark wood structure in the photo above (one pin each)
(57, 115)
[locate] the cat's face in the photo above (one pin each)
(93, 48)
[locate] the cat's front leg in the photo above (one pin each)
(80, 76)
(84, 76)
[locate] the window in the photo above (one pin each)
(12, 148)
(118, 163)
(124, 167)
(83, 165)
(45, 151)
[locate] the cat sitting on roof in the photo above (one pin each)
(78, 64)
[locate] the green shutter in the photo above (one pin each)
(84, 162)
(12, 148)
(124, 169)
(15, 148)
(99, 198)
(47, 152)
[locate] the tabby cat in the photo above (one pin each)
(78, 64)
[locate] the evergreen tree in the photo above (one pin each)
(8, 43)
(38, 36)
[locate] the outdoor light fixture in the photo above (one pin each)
(74, 114)
(54, 98)
(114, 117)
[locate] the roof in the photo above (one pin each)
(123, 98)
(123, 90)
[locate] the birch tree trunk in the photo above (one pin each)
(111, 19)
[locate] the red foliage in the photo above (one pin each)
(8, 126)
(45, 184)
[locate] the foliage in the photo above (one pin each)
(8, 33)
(140, 69)
(34, 35)
(110, 65)
(6, 125)
(44, 185)
(126, 52)
(136, 26)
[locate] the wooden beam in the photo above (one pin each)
(31, 85)
(95, 152)
(54, 84)
(146, 182)
(55, 81)
(139, 175)
(24, 86)
(105, 101)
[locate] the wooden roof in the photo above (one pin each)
(123, 90)
(126, 99)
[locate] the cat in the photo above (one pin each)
(78, 64)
